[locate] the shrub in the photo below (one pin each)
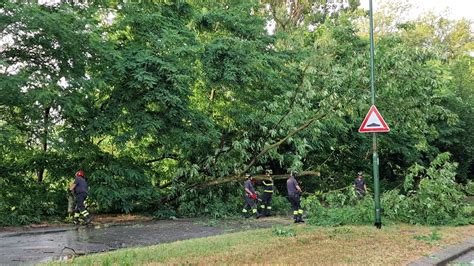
(438, 199)
(435, 200)
(340, 209)
(396, 207)
(283, 232)
(469, 188)
(25, 202)
(280, 204)
(217, 202)
(224, 201)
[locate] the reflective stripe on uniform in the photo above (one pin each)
(295, 212)
(267, 184)
(244, 210)
(268, 191)
(300, 211)
(269, 207)
(254, 210)
(85, 213)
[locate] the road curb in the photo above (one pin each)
(63, 228)
(443, 257)
(37, 231)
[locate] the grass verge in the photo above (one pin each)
(395, 244)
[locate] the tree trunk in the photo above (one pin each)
(44, 142)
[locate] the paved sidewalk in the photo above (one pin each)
(460, 254)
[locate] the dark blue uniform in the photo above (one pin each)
(360, 187)
(80, 192)
(294, 197)
(267, 196)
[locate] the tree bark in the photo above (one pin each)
(44, 142)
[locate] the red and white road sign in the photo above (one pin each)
(373, 122)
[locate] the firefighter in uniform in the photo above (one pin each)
(360, 186)
(250, 197)
(294, 193)
(266, 204)
(80, 189)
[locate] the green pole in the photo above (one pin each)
(375, 158)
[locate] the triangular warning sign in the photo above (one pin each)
(373, 122)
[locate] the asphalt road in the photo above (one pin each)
(41, 245)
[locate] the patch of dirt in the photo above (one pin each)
(120, 218)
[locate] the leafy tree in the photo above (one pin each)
(43, 94)
(44, 82)
(451, 41)
(167, 104)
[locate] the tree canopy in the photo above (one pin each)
(166, 104)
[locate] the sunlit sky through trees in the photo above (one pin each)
(455, 9)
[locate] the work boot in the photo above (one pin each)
(87, 219)
(76, 219)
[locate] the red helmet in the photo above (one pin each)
(80, 173)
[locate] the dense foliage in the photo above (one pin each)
(429, 196)
(166, 104)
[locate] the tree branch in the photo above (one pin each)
(234, 178)
(164, 156)
(281, 141)
(278, 21)
(293, 100)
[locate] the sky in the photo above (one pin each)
(457, 9)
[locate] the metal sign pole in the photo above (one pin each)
(375, 158)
